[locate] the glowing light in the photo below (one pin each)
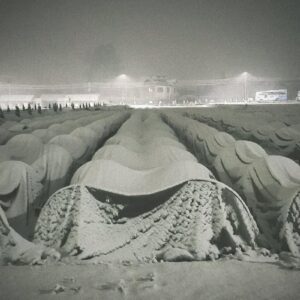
(123, 77)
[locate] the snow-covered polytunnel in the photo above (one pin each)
(269, 184)
(32, 169)
(143, 197)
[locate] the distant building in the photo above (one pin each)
(160, 89)
(47, 99)
(16, 100)
(78, 99)
(68, 99)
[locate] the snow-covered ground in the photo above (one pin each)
(145, 162)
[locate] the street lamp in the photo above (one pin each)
(123, 79)
(245, 77)
(89, 87)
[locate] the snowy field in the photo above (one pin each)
(126, 203)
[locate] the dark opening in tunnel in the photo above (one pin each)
(134, 205)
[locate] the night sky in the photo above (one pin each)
(54, 41)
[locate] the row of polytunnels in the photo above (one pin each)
(144, 186)
(277, 136)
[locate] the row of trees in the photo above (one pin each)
(56, 107)
(86, 106)
(17, 110)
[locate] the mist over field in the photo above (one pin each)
(58, 41)
(149, 149)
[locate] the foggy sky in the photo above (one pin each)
(52, 41)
